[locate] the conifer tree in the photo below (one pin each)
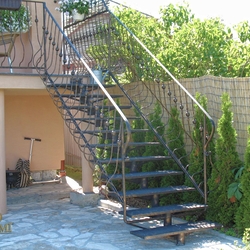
(196, 162)
(243, 213)
(154, 150)
(221, 209)
(136, 151)
(175, 141)
(138, 123)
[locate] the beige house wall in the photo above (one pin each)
(27, 111)
(33, 116)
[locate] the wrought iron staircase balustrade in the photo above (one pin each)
(106, 43)
(102, 114)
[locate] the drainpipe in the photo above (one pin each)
(3, 195)
(62, 170)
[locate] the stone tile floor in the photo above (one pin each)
(55, 223)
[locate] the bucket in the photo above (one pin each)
(98, 74)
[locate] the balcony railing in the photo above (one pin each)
(26, 51)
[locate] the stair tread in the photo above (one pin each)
(160, 232)
(169, 209)
(90, 96)
(100, 119)
(94, 107)
(76, 84)
(136, 144)
(136, 175)
(153, 191)
(132, 159)
(114, 131)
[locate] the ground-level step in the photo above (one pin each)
(170, 209)
(179, 230)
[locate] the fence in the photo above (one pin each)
(213, 88)
(238, 90)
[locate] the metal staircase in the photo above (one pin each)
(106, 85)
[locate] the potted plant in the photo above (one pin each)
(15, 21)
(76, 8)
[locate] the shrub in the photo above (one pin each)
(175, 141)
(243, 213)
(15, 21)
(196, 162)
(153, 150)
(221, 209)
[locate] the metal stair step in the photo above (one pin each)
(68, 85)
(86, 107)
(137, 175)
(134, 159)
(161, 210)
(131, 144)
(99, 118)
(115, 131)
(78, 95)
(171, 230)
(156, 191)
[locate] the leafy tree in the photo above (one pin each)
(187, 46)
(239, 65)
(175, 16)
(243, 213)
(222, 209)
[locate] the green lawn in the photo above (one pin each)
(74, 172)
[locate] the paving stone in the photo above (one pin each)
(69, 232)
(49, 235)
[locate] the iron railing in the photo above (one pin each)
(67, 58)
(106, 43)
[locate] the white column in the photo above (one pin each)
(3, 196)
(87, 176)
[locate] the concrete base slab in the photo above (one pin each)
(111, 205)
(43, 175)
(84, 199)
